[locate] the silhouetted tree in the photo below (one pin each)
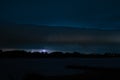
(24, 54)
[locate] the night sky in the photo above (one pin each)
(42, 23)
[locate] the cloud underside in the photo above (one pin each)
(21, 36)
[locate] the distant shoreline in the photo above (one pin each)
(24, 54)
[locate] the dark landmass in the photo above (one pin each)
(91, 73)
(92, 69)
(24, 54)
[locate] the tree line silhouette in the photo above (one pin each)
(25, 54)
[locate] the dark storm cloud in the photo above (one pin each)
(88, 14)
(31, 35)
(113, 18)
(76, 13)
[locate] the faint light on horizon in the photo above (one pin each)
(41, 50)
(44, 51)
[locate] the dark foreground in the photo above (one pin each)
(91, 73)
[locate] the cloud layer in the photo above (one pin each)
(25, 35)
